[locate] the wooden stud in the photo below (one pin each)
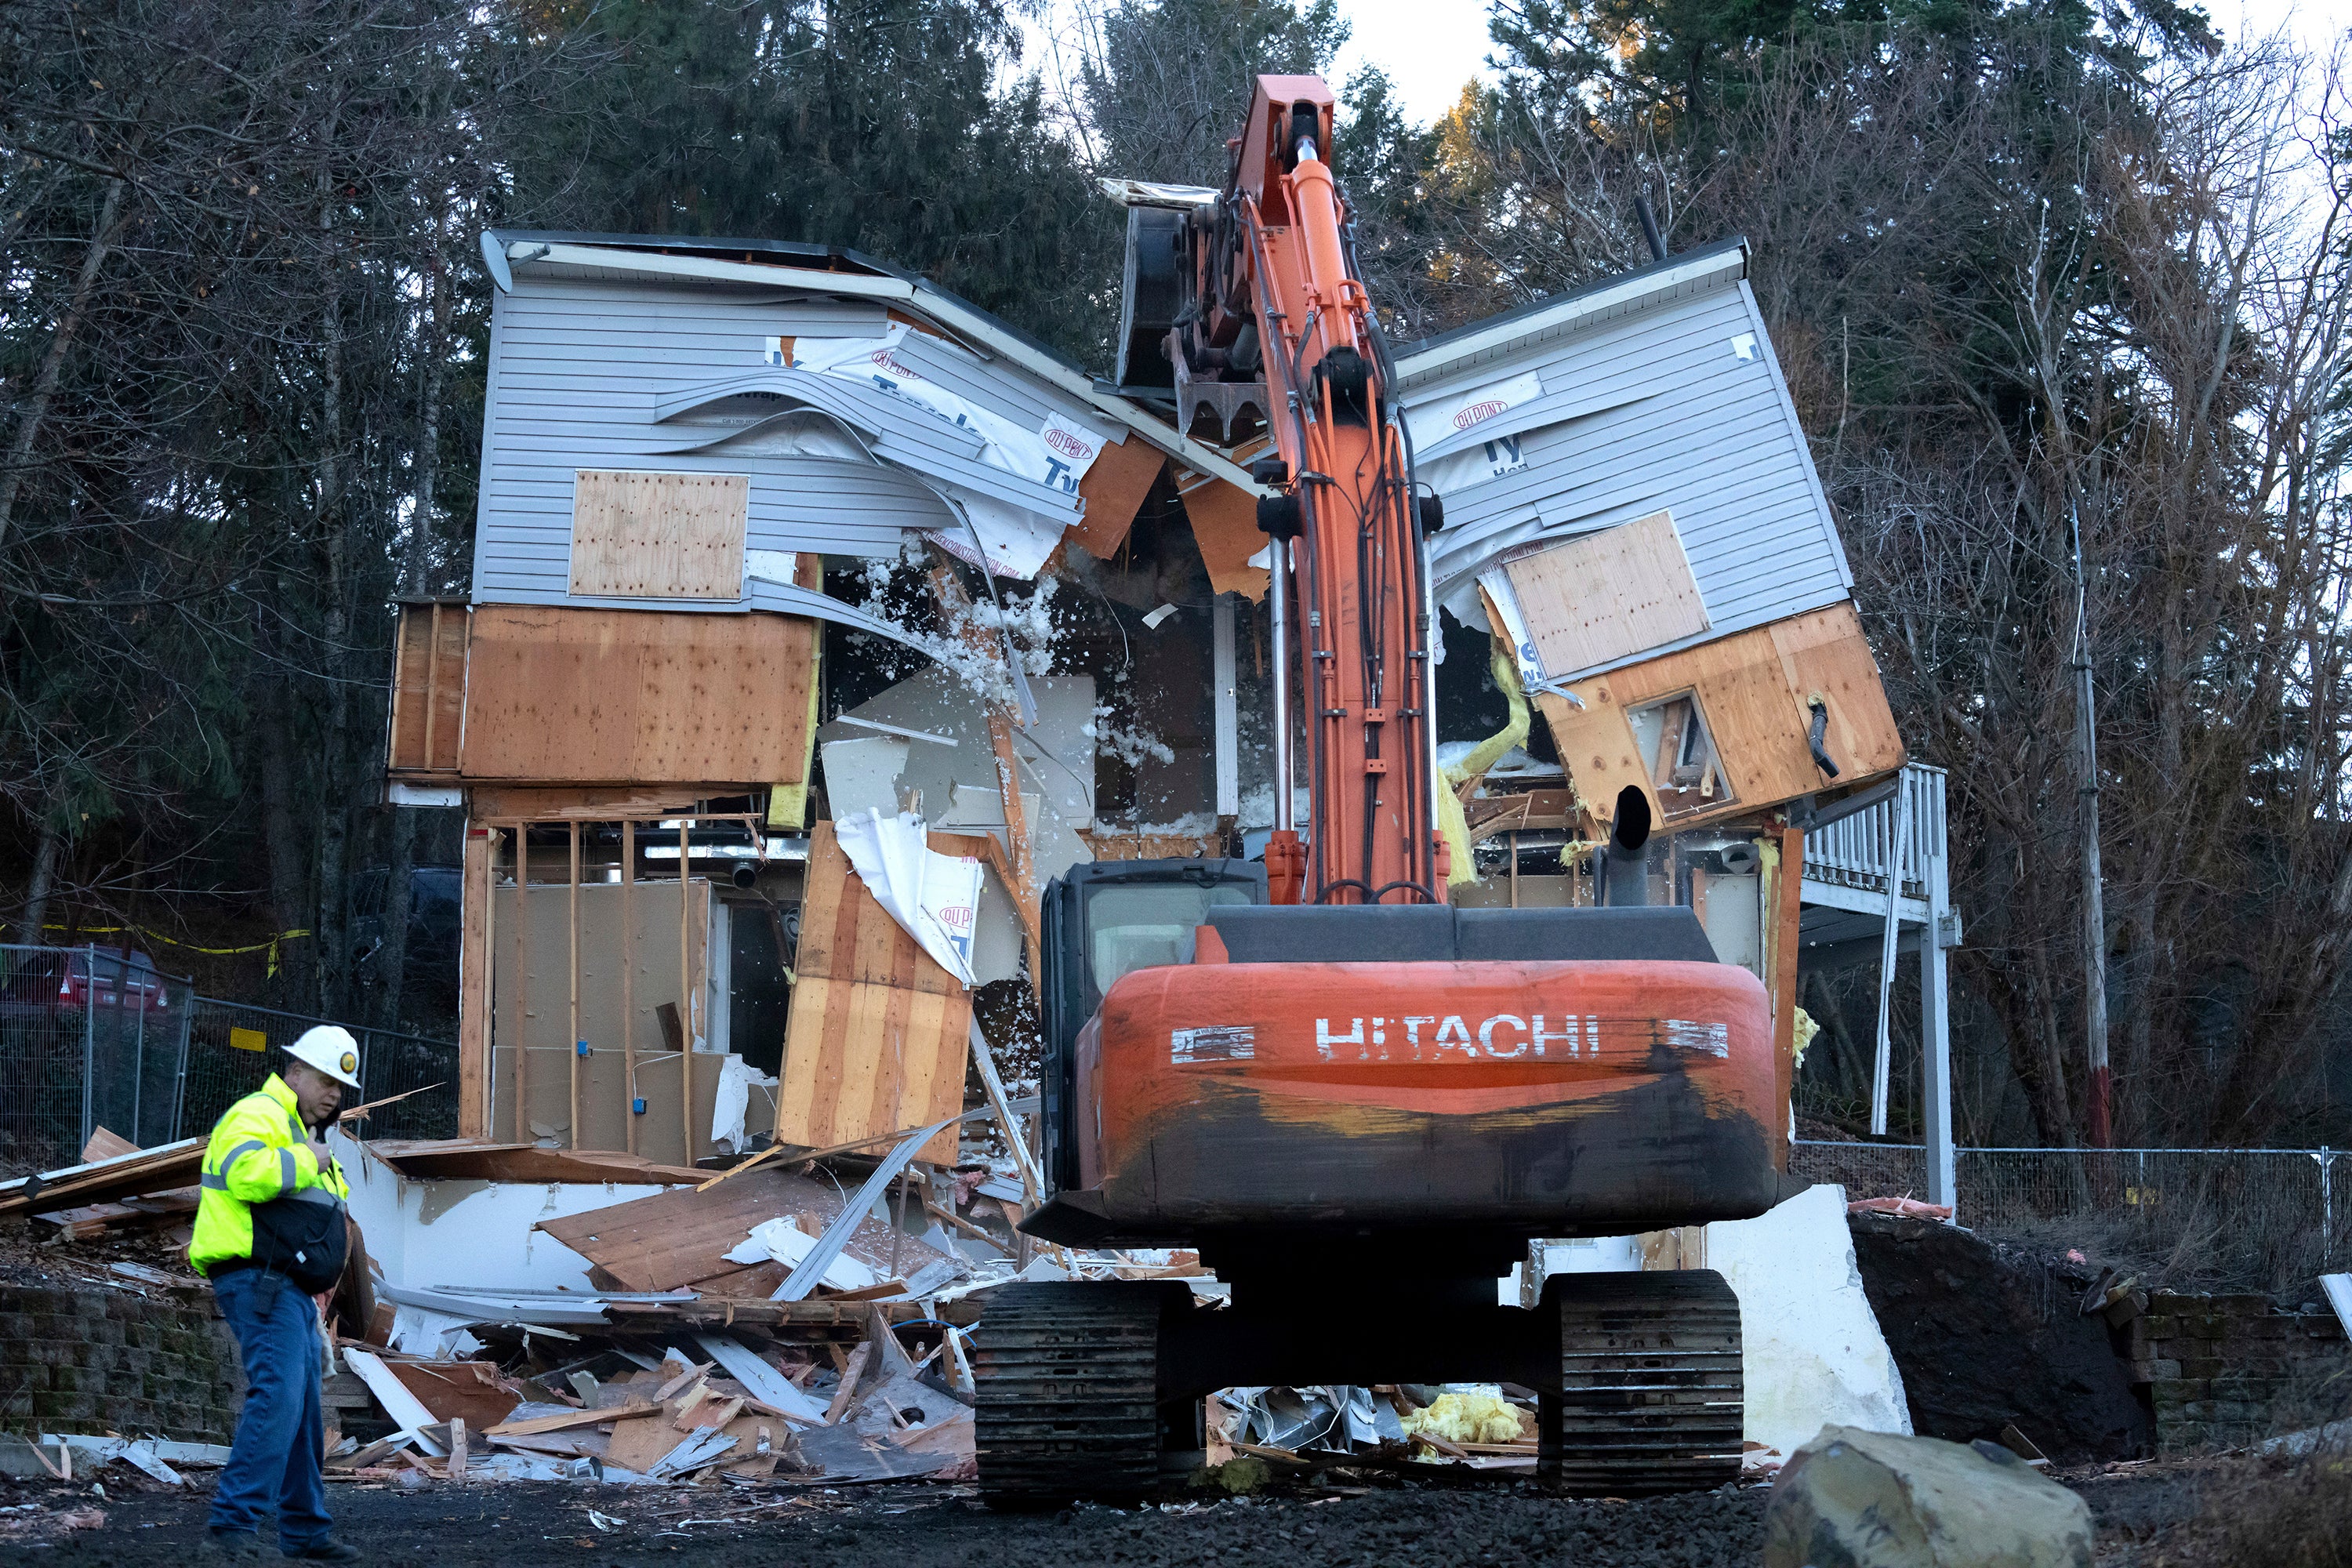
(489, 988)
(685, 1000)
(571, 1040)
(1786, 915)
(522, 981)
(629, 975)
(474, 982)
(432, 683)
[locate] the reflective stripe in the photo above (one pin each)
(316, 1196)
(213, 1182)
(238, 1152)
(285, 1170)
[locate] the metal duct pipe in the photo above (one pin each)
(1623, 863)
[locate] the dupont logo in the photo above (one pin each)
(895, 367)
(1069, 446)
(1479, 413)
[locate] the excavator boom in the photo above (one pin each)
(1349, 581)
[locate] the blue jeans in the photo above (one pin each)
(281, 1431)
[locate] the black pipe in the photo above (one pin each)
(1650, 226)
(1623, 866)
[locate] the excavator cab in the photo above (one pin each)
(1100, 921)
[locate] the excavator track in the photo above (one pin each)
(1066, 1379)
(1651, 1384)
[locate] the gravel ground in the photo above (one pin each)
(1471, 1524)
(516, 1524)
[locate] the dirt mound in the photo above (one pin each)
(1985, 1337)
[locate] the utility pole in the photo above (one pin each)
(2095, 920)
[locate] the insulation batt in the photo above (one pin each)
(1466, 1418)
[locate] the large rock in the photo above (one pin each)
(1987, 1337)
(1851, 1499)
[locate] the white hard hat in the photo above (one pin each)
(330, 1049)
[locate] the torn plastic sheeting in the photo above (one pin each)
(733, 1101)
(1436, 423)
(428, 1335)
(1500, 602)
(935, 897)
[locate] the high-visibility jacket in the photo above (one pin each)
(259, 1150)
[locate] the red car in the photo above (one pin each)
(68, 977)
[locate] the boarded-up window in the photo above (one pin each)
(1605, 596)
(659, 536)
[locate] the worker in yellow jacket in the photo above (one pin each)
(271, 1234)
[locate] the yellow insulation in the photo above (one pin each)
(1485, 754)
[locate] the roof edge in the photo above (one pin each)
(1556, 313)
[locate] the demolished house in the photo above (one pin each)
(819, 622)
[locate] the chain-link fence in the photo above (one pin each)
(2250, 1216)
(233, 1046)
(89, 1037)
(95, 1036)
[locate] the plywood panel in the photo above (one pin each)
(659, 536)
(1224, 525)
(878, 1033)
(1605, 596)
(1753, 688)
(581, 696)
(1120, 477)
(429, 687)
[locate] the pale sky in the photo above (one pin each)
(1430, 48)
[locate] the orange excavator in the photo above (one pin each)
(1356, 1101)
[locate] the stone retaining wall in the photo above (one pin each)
(2222, 1371)
(98, 1361)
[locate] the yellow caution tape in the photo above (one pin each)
(270, 945)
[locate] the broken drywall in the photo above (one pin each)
(948, 757)
(473, 1233)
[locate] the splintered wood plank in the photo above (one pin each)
(659, 536)
(1114, 486)
(1225, 526)
(625, 697)
(876, 1039)
(671, 1239)
(1601, 596)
